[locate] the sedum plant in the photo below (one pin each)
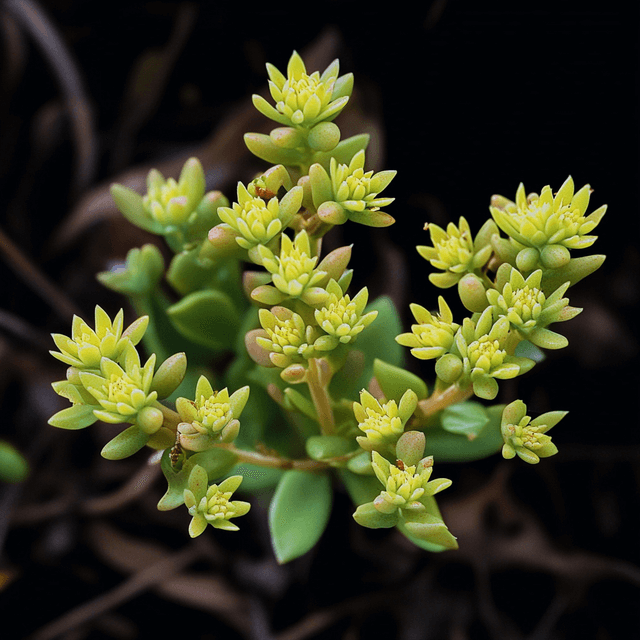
(262, 368)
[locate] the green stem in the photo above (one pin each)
(441, 400)
(273, 460)
(319, 390)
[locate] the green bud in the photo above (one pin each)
(410, 447)
(287, 137)
(169, 375)
(324, 136)
(472, 293)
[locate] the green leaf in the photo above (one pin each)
(130, 205)
(262, 146)
(449, 447)
(207, 317)
(394, 381)
(13, 466)
(140, 276)
(78, 416)
(299, 513)
(125, 444)
(432, 508)
(526, 349)
(324, 447)
(256, 478)
(360, 488)
(431, 530)
(366, 515)
(466, 418)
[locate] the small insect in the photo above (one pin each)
(400, 465)
(175, 453)
(264, 193)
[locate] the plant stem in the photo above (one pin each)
(318, 388)
(273, 460)
(441, 400)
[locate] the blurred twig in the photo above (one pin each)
(33, 19)
(36, 279)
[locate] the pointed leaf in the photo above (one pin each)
(125, 444)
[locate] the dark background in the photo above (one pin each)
(464, 99)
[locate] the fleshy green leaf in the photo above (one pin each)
(299, 513)
(366, 515)
(78, 416)
(256, 478)
(207, 317)
(526, 349)
(323, 447)
(394, 381)
(449, 447)
(125, 444)
(466, 418)
(13, 466)
(432, 508)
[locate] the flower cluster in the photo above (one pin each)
(527, 438)
(288, 338)
(341, 317)
(293, 272)
(86, 347)
(212, 504)
(382, 424)
(544, 227)
(455, 252)
(107, 381)
(433, 336)
(211, 418)
(168, 202)
(347, 192)
(303, 100)
(527, 308)
(405, 486)
(252, 221)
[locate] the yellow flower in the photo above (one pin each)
(87, 347)
(405, 486)
(301, 99)
(124, 392)
(455, 252)
(256, 221)
(544, 227)
(171, 203)
(211, 418)
(212, 504)
(383, 424)
(342, 317)
(293, 272)
(527, 438)
(289, 340)
(433, 336)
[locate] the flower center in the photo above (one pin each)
(256, 210)
(210, 410)
(486, 353)
(120, 388)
